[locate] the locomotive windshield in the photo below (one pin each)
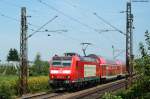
(55, 63)
(66, 63)
(61, 63)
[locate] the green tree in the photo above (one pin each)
(141, 88)
(142, 49)
(40, 67)
(145, 48)
(38, 63)
(13, 55)
(147, 39)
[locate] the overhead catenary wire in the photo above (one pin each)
(15, 5)
(95, 30)
(19, 6)
(15, 19)
(106, 22)
(140, 0)
(120, 53)
(70, 17)
(59, 32)
(62, 13)
(99, 17)
(42, 27)
(8, 17)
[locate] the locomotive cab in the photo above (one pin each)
(60, 71)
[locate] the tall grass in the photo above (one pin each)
(9, 85)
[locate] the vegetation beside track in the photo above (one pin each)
(37, 81)
(9, 85)
(141, 88)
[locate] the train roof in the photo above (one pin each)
(90, 58)
(62, 58)
(103, 60)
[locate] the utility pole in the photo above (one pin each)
(23, 52)
(129, 38)
(129, 43)
(23, 75)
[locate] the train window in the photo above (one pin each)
(61, 63)
(66, 63)
(56, 63)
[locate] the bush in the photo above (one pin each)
(39, 83)
(146, 96)
(7, 89)
(39, 69)
(8, 70)
(138, 90)
(9, 86)
(110, 96)
(5, 92)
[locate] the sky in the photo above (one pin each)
(75, 16)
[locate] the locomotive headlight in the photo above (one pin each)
(67, 77)
(52, 76)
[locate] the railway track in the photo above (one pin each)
(94, 92)
(43, 95)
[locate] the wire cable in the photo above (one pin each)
(8, 17)
(42, 27)
(109, 23)
(15, 19)
(15, 5)
(70, 17)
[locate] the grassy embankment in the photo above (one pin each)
(9, 85)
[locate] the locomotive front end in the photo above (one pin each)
(60, 71)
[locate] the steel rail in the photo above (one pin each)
(98, 91)
(94, 92)
(42, 95)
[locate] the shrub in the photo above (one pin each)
(8, 70)
(7, 89)
(9, 86)
(146, 96)
(39, 69)
(39, 83)
(110, 96)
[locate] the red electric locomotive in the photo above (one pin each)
(72, 70)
